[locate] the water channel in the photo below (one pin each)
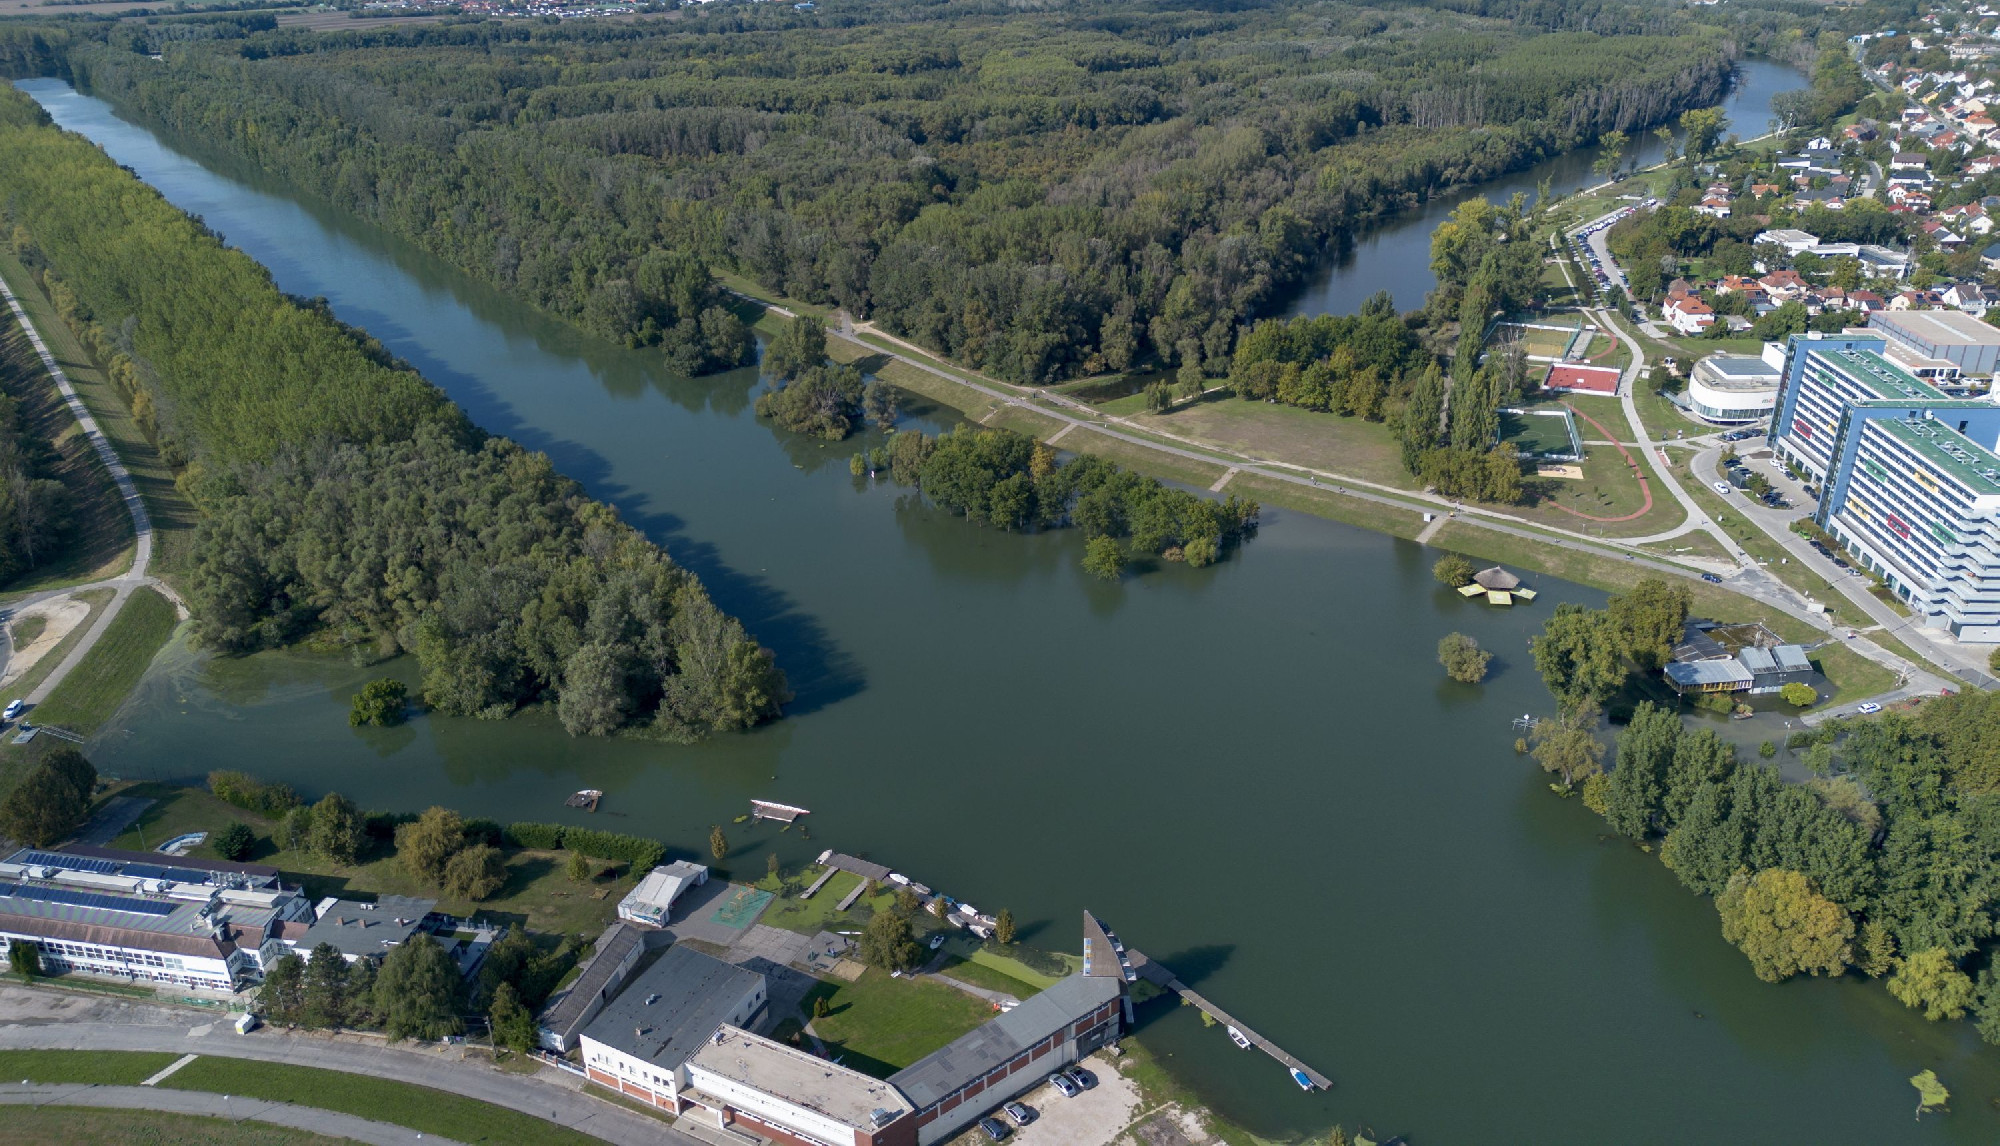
(1395, 253)
(1256, 771)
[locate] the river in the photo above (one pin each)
(1255, 771)
(1395, 253)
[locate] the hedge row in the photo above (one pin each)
(251, 794)
(635, 850)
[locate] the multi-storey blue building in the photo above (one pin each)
(1909, 480)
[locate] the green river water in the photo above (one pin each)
(1256, 771)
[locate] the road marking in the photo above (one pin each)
(171, 1068)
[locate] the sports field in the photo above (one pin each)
(1540, 434)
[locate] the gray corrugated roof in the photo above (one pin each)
(692, 995)
(1792, 658)
(1757, 660)
(612, 948)
(971, 1055)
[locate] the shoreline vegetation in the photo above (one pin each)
(344, 498)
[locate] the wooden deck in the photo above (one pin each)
(1157, 973)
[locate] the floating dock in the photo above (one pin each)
(783, 813)
(1158, 974)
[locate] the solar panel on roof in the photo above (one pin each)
(112, 867)
(96, 899)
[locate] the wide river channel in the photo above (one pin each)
(1256, 771)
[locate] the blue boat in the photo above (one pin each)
(1299, 1077)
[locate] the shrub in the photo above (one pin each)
(1463, 660)
(1799, 694)
(541, 837)
(235, 842)
(380, 702)
(1453, 571)
(641, 853)
(251, 794)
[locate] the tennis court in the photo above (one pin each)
(743, 906)
(1541, 434)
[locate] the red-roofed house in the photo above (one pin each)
(1571, 378)
(1783, 286)
(1688, 314)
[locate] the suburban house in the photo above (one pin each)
(1688, 314)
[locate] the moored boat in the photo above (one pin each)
(1299, 1077)
(1239, 1038)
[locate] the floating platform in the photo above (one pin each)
(783, 813)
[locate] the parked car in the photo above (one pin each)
(1868, 708)
(1081, 1077)
(1723, 487)
(1711, 578)
(1061, 1082)
(13, 710)
(1019, 1113)
(995, 1129)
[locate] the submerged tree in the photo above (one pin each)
(1463, 660)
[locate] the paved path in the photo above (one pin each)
(46, 1018)
(142, 525)
(326, 1122)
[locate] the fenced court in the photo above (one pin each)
(743, 905)
(1539, 339)
(1549, 434)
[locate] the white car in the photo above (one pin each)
(1724, 488)
(1868, 708)
(13, 710)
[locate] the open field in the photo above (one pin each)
(1329, 442)
(1153, 463)
(1608, 489)
(420, 1108)
(881, 1025)
(99, 541)
(68, 1125)
(990, 978)
(1535, 340)
(92, 691)
(173, 518)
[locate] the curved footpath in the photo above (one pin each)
(34, 1018)
(330, 1123)
(142, 524)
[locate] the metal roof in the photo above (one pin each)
(1689, 674)
(355, 928)
(569, 1009)
(973, 1054)
(1791, 658)
(668, 1011)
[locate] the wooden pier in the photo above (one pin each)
(1158, 974)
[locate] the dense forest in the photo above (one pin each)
(1036, 192)
(344, 497)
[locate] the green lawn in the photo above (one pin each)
(1328, 442)
(882, 1024)
(418, 1107)
(68, 1125)
(103, 1068)
(980, 975)
(26, 682)
(93, 690)
(1853, 676)
(1015, 969)
(1141, 459)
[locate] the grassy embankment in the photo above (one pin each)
(98, 543)
(172, 516)
(537, 894)
(93, 690)
(880, 1025)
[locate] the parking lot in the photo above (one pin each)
(1094, 1118)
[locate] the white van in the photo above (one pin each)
(245, 1023)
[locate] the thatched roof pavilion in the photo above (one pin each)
(1497, 579)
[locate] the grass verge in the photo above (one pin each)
(1322, 502)
(103, 1068)
(67, 1125)
(26, 682)
(418, 1107)
(92, 692)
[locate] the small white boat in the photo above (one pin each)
(1239, 1038)
(1299, 1077)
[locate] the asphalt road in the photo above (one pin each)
(52, 1019)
